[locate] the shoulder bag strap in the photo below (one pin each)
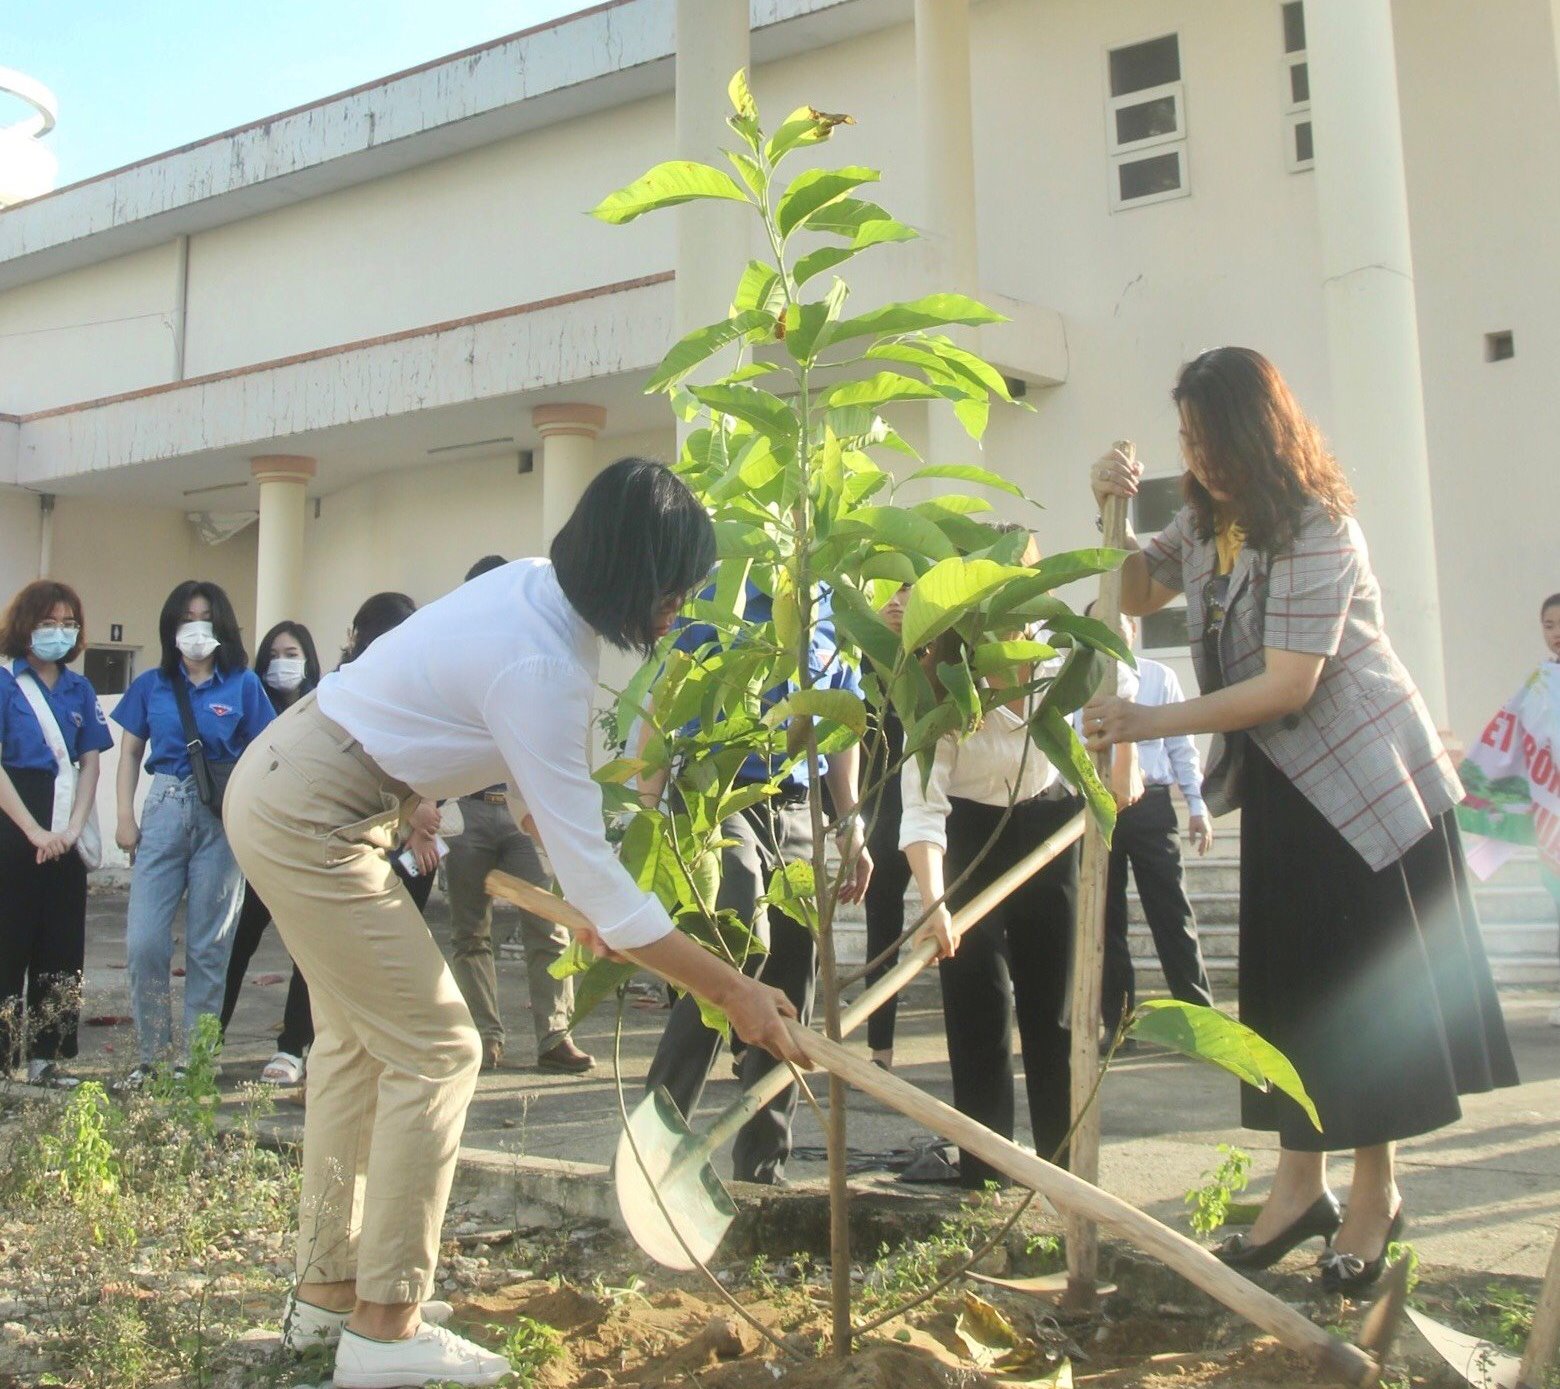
(192, 739)
(54, 737)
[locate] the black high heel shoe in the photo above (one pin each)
(1348, 1273)
(1320, 1220)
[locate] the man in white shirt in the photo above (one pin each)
(1147, 837)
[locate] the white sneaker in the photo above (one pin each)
(305, 1325)
(433, 1355)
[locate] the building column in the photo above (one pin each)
(284, 481)
(712, 237)
(942, 81)
(568, 459)
(1378, 416)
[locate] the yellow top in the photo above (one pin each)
(1228, 540)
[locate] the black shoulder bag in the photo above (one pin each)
(211, 778)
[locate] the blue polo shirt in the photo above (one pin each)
(230, 710)
(823, 661)
(75, 705)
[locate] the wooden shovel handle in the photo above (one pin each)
(536, 900)
(1069, 1193)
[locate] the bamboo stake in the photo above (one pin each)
(1544, 1339)
(1071, 1193)
(1083, 1252)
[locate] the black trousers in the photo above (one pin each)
(297, 1033)
(43, 935)
(766, 836)
(1015, 959)
(885, 906)
(1148, 837)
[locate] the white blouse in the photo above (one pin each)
(983, 767)
(494, 682)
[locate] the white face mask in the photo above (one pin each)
(196, 640)
(285, 673)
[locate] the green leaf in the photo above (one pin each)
(1215, 1037)
(816, 262)
(973, 413)
(619, 771)
(989, 658)
(793, 891)
(859, 623)
(747, 166)
(808, 325)
(741, 95)
(934, 311)
(838, 706)
(703, 343)
(601, 980)
(1069, 566)
(877, 390)
(891, 564)
(968, 472)
(815, 189)
(758, 408)
(759, 288)
(1092, 632)
(951, 504)
(1054, 736)
(900, 529)
(846, 217)
(667, 185)
(804, 126)
(922, 735)
(1076, 682)
(959, 685)
(875, 232)
(947, 591)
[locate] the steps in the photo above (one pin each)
(1516, 911)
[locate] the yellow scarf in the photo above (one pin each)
(1228, 541)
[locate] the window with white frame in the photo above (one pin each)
(1145, 122)
(1299, 153)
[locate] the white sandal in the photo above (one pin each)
(283, 1069)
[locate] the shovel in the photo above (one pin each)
(674, 1161)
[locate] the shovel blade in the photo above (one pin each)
(1483, 1365)
(669, 1163)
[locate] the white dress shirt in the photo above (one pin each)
(493, 683)
(983, 768)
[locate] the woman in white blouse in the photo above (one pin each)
(492, 683)
(1016, 957)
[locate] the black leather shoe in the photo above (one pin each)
(1320, 1221)
(1348, 1273)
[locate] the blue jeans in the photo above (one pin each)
(182, 850)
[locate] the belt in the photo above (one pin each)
(791, 794)
(487, 797)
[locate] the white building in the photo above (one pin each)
(384, 322)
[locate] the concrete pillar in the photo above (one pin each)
(712, 238)
(568, 459)
(942, 81)
(1378, 418)
(284, 481)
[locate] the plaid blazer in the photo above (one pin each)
(1363, 750)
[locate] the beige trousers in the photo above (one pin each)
(395, 1058)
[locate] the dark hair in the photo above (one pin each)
(311, 659)
(231, 655)
(376, 617)
(485, 565)
(1257, 445)
(1553, 601)
(31, 607)
(637, 537)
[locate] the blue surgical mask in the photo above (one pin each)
(51, 644)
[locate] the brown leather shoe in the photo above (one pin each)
(492, 1053)
(567, 1058)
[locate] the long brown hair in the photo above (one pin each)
(1257, 446)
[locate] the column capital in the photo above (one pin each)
(586, 421)
(281, 467)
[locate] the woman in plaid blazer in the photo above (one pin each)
(1360, 953)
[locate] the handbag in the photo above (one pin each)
(211, 778)
(89, 843)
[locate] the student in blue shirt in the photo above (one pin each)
(179, 846)
(760, 840)
(43, 881)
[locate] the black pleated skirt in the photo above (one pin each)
(1373, 983)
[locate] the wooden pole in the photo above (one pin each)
(1544, 1339)
(1083, 1253)
(1070, 1193)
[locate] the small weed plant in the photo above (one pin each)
(1210, 1203)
